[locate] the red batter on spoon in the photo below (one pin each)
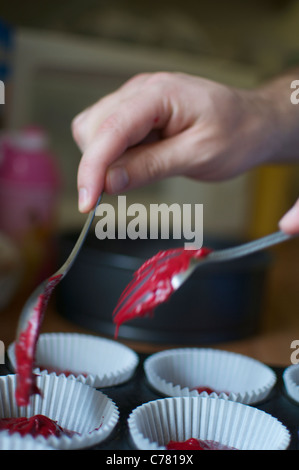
(25, 347)
(151, 284)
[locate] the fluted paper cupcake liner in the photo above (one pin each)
(235, 377)
(17, 442)
(76, 407)
(291, 381)
(94, 361)
(154, 424)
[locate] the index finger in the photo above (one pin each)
(129, 125)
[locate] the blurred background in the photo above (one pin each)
(65, 55)
(59, 57)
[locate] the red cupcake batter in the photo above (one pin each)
(197, 444)
(37, 425)
(208, 390)
(204, 389)
(151, 284)
(25, 348)
(57, 371)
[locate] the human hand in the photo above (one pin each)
(204, 130)
(290, 221)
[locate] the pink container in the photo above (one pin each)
(29, 190)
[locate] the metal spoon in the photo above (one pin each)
(47, 286)
(228, 254)
(159, 277)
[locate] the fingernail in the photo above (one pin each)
(83, 199)
(118, 179)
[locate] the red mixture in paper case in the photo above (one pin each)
(209, 390)
(57, 371)
(197, 444)
(37, 425)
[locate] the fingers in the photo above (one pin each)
(85, 125)
(290, 221)
(114, 134)
(145, 164)
(110, 137)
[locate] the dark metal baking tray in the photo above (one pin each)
(137, 391)
(229, 298)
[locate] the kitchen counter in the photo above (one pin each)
(272, 344)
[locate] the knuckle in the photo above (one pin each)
(153, 165)
(75, 124)
(113, 125)
(164, 85)
(77, 133)
(159, 77)
(110, 123)
(139, 77)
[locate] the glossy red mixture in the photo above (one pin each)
(37, 425)
(151, 284)
(209, 390)
(197, 444)
(204, 389)
(57, 371)
(25, 348)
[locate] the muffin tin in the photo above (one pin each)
(136, 391)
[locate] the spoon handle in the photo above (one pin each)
(251, 247)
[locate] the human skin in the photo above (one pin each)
(168, 124)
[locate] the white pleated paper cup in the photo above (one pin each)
(94, 361)
(235, 425)
(89, 414)
(291, 381)
(231, 376)
(17, 442)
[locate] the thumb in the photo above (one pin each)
(144, 164)
(290, 221)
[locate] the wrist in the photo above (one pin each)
(257, 136)
(280, 121)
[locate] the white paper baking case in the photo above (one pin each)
(86, 412)
(184, 371)
(92, 360)
(291, 381)
(235, 425)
